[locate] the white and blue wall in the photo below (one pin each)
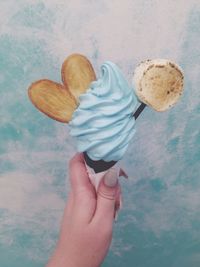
(160, 221)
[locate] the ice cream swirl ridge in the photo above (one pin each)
(103, 124)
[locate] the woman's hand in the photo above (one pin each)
(87, 224)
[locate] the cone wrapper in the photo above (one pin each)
(96, 178)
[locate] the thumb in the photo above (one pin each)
(106, 196)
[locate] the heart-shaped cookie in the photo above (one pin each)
(53, 99)
(59, 101)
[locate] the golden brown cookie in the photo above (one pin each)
(77, 74)
(52, 99)
(60, 101)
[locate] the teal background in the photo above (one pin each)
(160, 221)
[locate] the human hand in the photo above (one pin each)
(87, 224)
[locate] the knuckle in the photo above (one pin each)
(107, 194)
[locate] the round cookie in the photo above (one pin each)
(158, 83)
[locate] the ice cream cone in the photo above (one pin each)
(97, 170)
(98, 165)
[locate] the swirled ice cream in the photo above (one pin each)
(103, 124)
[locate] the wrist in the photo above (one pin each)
(59, 259)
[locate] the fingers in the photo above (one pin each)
(123, 173)
(106, 198)
(118, 203)
(84, 196)
(78, 175)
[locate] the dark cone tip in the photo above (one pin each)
(98, 165)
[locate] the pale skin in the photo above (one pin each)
(87, 224)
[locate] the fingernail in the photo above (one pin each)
(111, 178)
(116, 215)
(123, 173)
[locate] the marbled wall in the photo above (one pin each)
(160, 222)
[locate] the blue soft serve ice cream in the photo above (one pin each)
(103, 123)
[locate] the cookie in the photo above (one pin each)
(59, 101)
(158, 83)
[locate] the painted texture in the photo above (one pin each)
(160, 222)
